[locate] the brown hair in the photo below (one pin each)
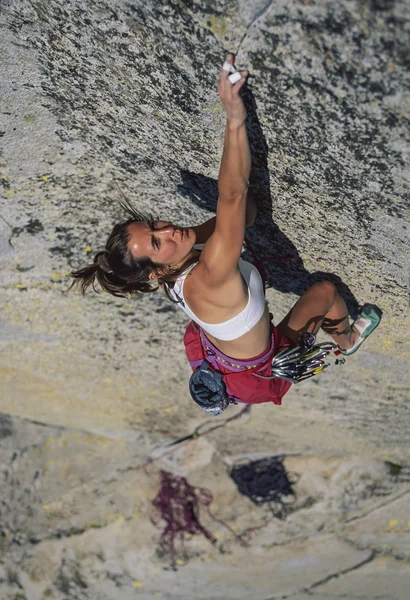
(120, 273)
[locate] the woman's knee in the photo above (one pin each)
(326, 289)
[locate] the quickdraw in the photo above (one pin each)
(298, 363)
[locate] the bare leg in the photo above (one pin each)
(320, 307)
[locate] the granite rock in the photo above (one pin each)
(99, 97)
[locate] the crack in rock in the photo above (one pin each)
(386, 503)
(74, 531)
(259, 15)
(11, 228)
(326, 579)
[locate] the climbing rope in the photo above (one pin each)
(266, 481)
(178, 504)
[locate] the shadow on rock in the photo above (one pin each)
(275, 255)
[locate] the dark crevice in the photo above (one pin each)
(344, 571)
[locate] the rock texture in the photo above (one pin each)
(101, 95)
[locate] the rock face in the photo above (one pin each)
(102, 96)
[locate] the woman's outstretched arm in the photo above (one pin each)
(204, 231)
(236, 158)
(219, 258)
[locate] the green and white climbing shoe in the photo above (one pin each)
(367, 320)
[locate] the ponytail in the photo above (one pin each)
(100, 272)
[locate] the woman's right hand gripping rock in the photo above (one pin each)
(229, 94)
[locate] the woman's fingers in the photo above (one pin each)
(230, 82)
(224, 73)
(229, 86)
(239, 84)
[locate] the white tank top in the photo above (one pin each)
(245, 320)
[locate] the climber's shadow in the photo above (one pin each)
(282, 263)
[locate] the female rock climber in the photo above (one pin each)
(222, 294)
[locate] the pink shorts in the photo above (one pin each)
(240, 376)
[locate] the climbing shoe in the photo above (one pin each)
(366, 322)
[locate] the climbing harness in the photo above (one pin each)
(293, 364)
(208, 385)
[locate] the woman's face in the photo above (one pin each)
(161, 241)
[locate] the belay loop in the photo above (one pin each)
(297, 363)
